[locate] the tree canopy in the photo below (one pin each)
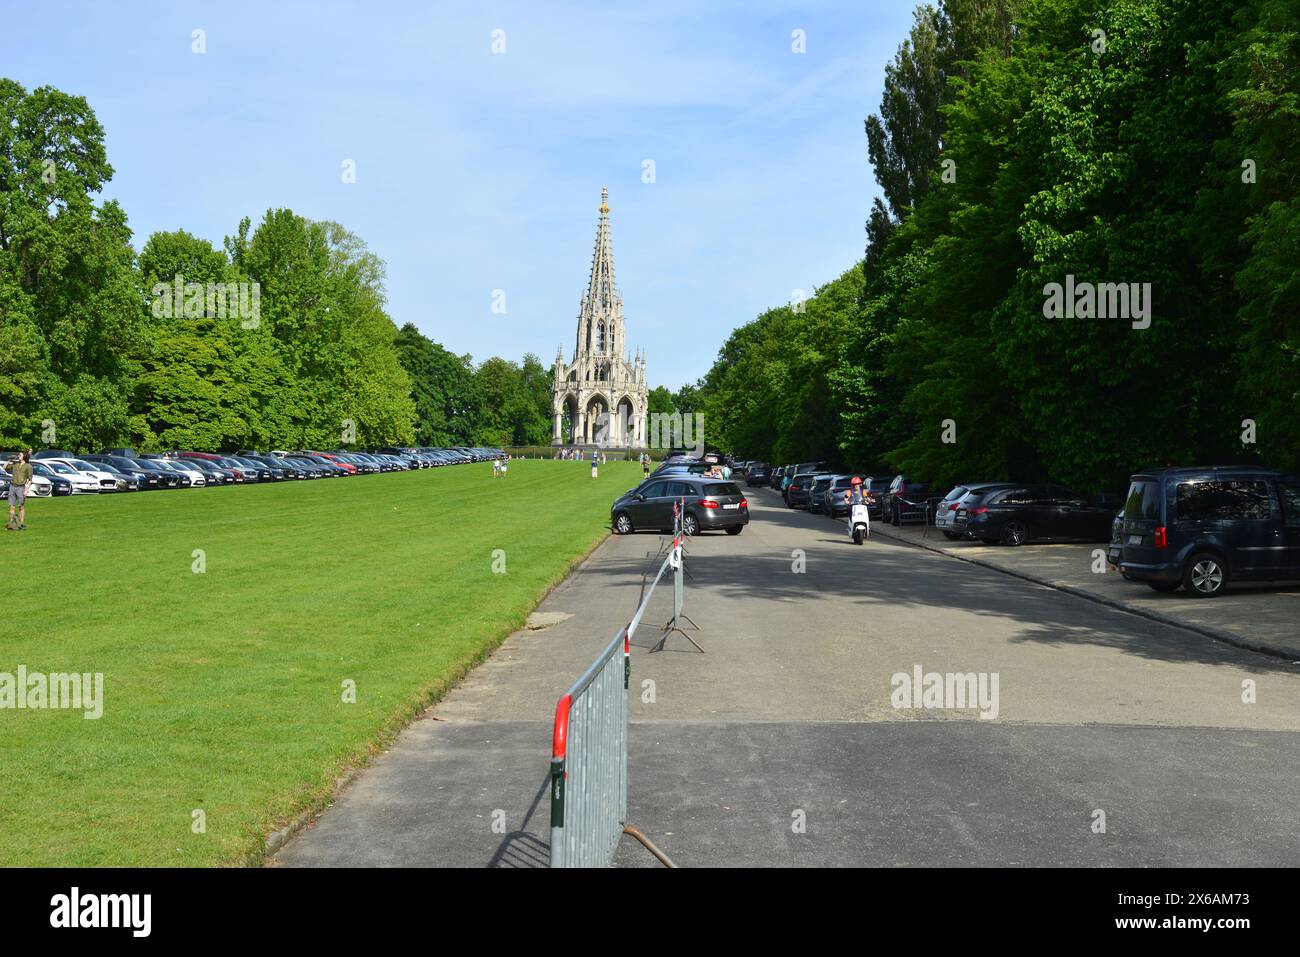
(1125, 146)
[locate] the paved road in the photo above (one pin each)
(781, 746)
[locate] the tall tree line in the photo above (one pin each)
(1018, 143)
(277, 338)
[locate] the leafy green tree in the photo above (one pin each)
(443, 388)
(69, 299)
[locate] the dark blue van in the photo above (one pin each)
(1200, 528)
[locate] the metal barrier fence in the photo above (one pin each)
(589, 749)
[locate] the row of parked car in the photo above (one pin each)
(60, 472)
(1195, 528)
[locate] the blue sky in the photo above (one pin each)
(479, 171)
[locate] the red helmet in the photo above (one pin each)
(856, 481)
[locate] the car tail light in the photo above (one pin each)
(708, 503)
(1162, 537)
(953, 507)
(744, 503)
(978, 511)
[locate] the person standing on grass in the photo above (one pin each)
(496, 467)
(595, 460)
(645, 464)
(19, 485)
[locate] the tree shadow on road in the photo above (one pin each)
(888, 572)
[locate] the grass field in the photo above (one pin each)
(223, 690)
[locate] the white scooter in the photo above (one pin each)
(859, 522)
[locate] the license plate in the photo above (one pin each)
(1135, 539)
(961, 513)
(732, 505)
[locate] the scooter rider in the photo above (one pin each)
(857, 494)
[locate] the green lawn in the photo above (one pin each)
(223, 691)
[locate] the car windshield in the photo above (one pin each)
(722, 488)
(60, 468)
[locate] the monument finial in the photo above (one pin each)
(604, 199)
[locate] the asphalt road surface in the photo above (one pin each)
(1112, 740)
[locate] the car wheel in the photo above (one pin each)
(1015, 533)
(1205, 575)
(952, 536)
(1163, 586)
(622, 523)
(735, 529)
(690, 524)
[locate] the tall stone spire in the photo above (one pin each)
(604, 386)
(601, 288)
(600, 326)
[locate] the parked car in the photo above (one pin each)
(909, 500)
(817, 494)
(60, 484)
(104, 481)
(798, 492)
(348, 467)
(126, 481)
(804, 468)
(1038, 513)
(218, 469)
(143, 480)
(946, 512)
(165, 477)
(242, 473)
(212, 472)
(1201, 528)
(758, 473)
(58, 471)
(252, 466)
(709, 504)
(186, 470)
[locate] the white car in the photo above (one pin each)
(197, 478)
(85, 477)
